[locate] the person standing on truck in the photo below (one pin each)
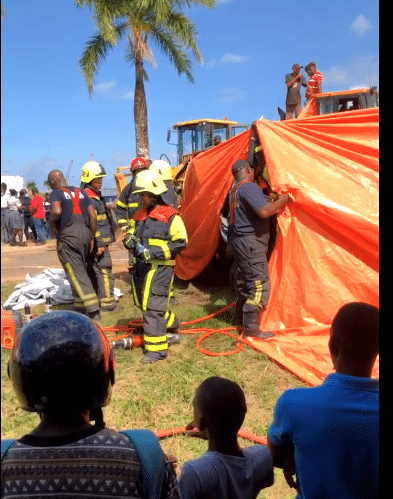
(75, 223)
(248, 238)
(91, 182)
(294, 82)
(128, 203)
(314, 84)
(159, 237)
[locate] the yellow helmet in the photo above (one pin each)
(163, 168)
(92, 170)
(148, 181)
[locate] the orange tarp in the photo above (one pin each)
(327, 252)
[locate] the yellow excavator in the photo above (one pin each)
(192, 137)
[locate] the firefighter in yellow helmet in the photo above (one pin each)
(165, 170)
(159, 236)
(91, 182)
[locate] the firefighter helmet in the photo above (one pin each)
(148, 181)
(163, 168)
(138, 164)
(61, 361)
(92, 170)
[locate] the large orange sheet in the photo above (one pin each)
(327, 252)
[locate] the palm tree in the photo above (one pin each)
(141, 21)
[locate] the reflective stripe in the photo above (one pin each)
(106, 280)
(161, 244)
(85, 299)
(146, 291)
(155, 343)
(132, 205)
(122, 205)
(122, 221)
(256, 302)
(155, 261)
(177, 229)
(134, 293)
(106, 239)
(170, 319)
(102, 216)
(97, 234)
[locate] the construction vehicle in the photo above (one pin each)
(193, 137)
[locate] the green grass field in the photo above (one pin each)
(159, 396)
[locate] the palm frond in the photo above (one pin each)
(96, 50)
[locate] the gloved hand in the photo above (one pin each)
(130, 241)
(142, 252)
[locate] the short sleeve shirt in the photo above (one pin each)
(66, 205)
(293, 92)
(334, 428)
(249, 198)
(215, 475)
(38, 203)
(313, 83)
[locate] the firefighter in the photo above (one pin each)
(159, 236)
(165, 170)
(91, 182)
(75, 223)
(248, 238)
(128, 203)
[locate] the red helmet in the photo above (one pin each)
(138, 164)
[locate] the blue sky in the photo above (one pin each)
(47, 117)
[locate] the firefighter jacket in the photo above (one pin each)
(127, 205)
(162, 232)
(104, 234)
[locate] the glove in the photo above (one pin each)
(142, 252)
(130, 241)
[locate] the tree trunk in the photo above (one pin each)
(140, 114)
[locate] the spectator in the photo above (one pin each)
(47, 215)
(217, 140)
(67, 379)
(38, 214)
(25, 211)
(15, 221)
(294, 82)
(225, 471)
(330, 433)
(5, 212)
(314, 84)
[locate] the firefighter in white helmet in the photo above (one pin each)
(91, 182)
(159, 236)
(165, 170)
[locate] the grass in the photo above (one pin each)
(159, 396)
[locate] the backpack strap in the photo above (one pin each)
(5, 445)
(76, 208)
(151, 458)
(232, 212)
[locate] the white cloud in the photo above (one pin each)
(361, 25)
(231, 95)
(358, 72)
(110, 90)
(228, 59)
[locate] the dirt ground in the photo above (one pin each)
(17, 261)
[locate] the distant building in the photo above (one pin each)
(13, 182)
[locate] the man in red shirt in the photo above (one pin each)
(314, 85)
(37, 211)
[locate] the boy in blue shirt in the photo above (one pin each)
(329, 435)
(225, 470)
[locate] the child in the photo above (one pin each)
(225, 470)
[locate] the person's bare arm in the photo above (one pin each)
(272, 208)
(284, 457)
(294, 80)
(55, 212)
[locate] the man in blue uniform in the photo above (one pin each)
(75, 223)
(248, 238)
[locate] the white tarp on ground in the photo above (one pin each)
(36, 288)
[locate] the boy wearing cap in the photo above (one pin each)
(294, 81)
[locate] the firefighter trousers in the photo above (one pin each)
(104, 281)
(251, 281)
(73, 250)
(151, 285)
